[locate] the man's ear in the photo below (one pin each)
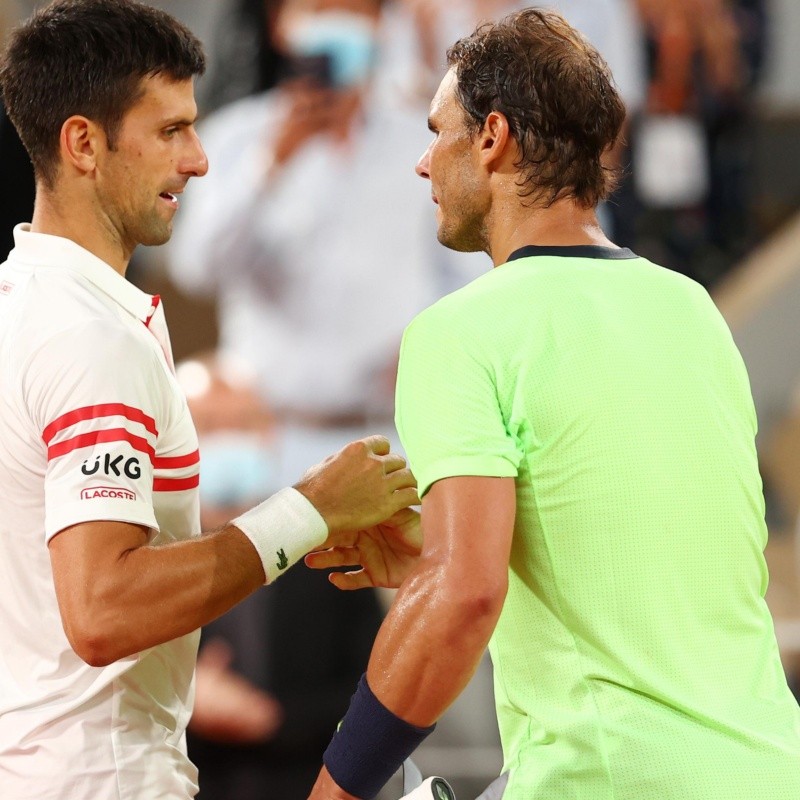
(494, 140)
(81, 140)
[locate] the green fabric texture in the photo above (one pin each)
(635, 657)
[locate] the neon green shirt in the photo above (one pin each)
(635, 657)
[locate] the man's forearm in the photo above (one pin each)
(424, 655)
(432, 640)
(445, 612)
(153, 594)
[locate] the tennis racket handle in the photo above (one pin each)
(431, 789)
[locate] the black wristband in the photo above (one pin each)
(370, 744)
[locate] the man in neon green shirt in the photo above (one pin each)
(582, 431)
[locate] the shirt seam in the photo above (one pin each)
(600, 721)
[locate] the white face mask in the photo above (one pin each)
(348, 40)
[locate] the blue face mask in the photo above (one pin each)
(346, 39)
(236, 469)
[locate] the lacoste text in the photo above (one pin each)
(107, 492)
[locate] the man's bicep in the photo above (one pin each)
(470, 521)
(83, 559)
(94, 545)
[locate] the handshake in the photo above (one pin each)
(352, 509)
(365, 493)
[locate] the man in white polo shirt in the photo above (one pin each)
(104, 578)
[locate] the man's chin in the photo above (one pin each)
(157, 236)
(460, 243)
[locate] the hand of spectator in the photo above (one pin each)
(386, 553)
(360, 486)
(312, 110)
(228, 708)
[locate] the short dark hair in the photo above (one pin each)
(557, 94)
(88, 57)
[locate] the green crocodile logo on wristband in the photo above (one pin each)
(283, 562)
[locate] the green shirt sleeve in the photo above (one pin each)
(447, 410)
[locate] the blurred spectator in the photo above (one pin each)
(612, 26)
(315, 234)
(275, 674)
(693, 148)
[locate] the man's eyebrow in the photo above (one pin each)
(178, 122)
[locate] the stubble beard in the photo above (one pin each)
(158, 236)
(465, 234)
(134, 225)
(153, 230)
(463, 227)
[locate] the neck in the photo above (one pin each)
(564, 223)
(58, 215)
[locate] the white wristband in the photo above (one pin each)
(283, 529)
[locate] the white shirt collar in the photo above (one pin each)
(45, 250)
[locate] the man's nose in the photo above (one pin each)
(422, 168)
(197, 162)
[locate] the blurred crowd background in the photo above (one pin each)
(299, 259)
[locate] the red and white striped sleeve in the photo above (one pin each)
(99, 397)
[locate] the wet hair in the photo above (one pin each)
(88, 58)
(558, 95)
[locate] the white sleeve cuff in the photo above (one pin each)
(283, 529)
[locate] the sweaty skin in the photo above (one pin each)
(440, 622)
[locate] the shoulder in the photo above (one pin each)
(675, 283)
(458, 310)
(456, 330)
(94, 360)
(60, 315)
(66, 311)
(103, 338)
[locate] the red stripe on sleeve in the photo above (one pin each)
(97, 437)
(95, 412)
(175, 462)
(175, 484)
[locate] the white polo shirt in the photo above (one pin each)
(93, 426)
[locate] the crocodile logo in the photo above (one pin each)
(283, 562)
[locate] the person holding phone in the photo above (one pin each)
(298, 230)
